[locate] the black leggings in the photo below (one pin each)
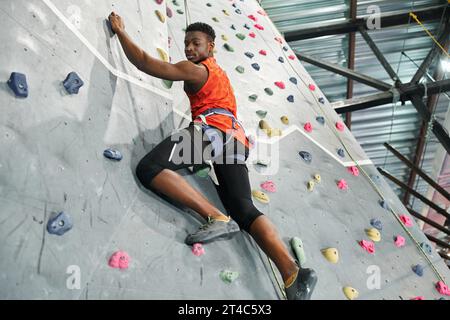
(234, 185)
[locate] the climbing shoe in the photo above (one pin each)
(213, 230)
(303, 286)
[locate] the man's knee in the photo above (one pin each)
(244, 213)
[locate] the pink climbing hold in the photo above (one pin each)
(312, 87)
(368, 246)
(259, 27)
(280, 84)
(354, 170)
(268, 186)
(278, 39)
(252, 34)
(308, 127)
(252, 17)
(263, 52)
(169, 12)
(399, 241)
(342, 184)
(159, 1)
(340, 126)
(119, 259)
(262, 12)
(418, 298)
(292, 57)
(406, 220)
(198, 250)
(442, 288)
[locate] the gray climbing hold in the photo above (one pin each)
(255, 66)
(306, 156)
(240, 69)
(17, 82)
(322, 100)
(281, 59)
(59, 224)
(426, 247)
(375, 178)
(208, 4)
(249, 54)
(268, 91)
(73, 83)
(376, 224)
(238, 11)
(285, 48)
(290, 98)
(233, 27)
(293, 80)
(261, 113)
(384, 204)
(246, 26)
(418, 269)
(341, 152)
(179, 11)
(320, 120)
(253, 97)
(175, 3)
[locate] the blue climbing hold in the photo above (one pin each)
(73, 83)
(375, 178)
(281, 59)
(255, 66)
(426, 247)
(234, 5)
(238, 11)
(249, 54)
(293, 80)
(246, 26)
(233, 27)
(418, 269)
(384, 204)
(376, 224)
(290, 98)
(322, 100)
(285, 48)
(341, 153)
(18, 83)
(306, 156)
(320, 120)
(112, 154)
(59, 224)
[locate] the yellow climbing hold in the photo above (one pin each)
(225, 12)
(351, 293)
(285, 120)
(164, 56)
(310, 185)
(273, 132)
(224, 38)
(317, 178)
(331, 254)
(260, 196)
(374, 234)
(263, 124)
(161, 17)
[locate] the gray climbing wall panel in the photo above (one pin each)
(52, 161)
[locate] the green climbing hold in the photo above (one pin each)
(167, 83)
(184, 29)
(175, 3)
(253, 97)
(297, 247)
(180, 11)
(215, 19)
(228, 276)
(240, 69)
(240, 36)
(268, 91)
(203, 173)
(228, 47)
(261, 113)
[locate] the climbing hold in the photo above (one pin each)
(341, 152)
(418, 269)
(233, 27)
(164, 56)
(224, 38)
(268, 186)
(290, 98)
(279, 40)
(310, 185)
(285, 48)
(160, 16)
(263, 52)
(169, 12)
(342, 184)
(255, 66)
(340, 126)
(442, 288)
(261, 113)
(426, 247)
(375, 178)
(306, 156)
(240, 36)
(268, 91)
(209, 4)
(351, 293)
(262, 162)
(331, 254)
(215, 19)
(112, 154)
(228, 276)
(238, 11)
(228, 47)
(59, 224)
(280, 84)
(260, 196)
(119, 259)
(322, 100)
(312, 87)
(203, 173)
(317, 178)
(285, 120)
(293, 80)
(179, 11)
(353, 170)
(246, 26)
(198, 250)
(167, 83)
(399, 241)
(225, 12)
(297, 247)
(373, 234)
(264, 125)
(259, 27)
(252, 35)
(72, 83)
(18, 84)
(368, 246)
(281, 59)
(376, 224)
(308, 127)
(249, 54)
(292, 57)
(159, 1)
(320, 120)
(175, 3)
(406, 220)
(234, 5)
(273, 132)
(252, 17)
(240, 69)
(418, 298)
(384, 204)
(253, 97)
(261, 12)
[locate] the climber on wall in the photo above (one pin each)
(221, 141)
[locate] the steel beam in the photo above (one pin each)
(351, 59)
(439, 242)
(430, 222)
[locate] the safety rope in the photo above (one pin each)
(429, 33)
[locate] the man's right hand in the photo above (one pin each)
(117, 24)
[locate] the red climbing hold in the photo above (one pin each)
(406, 220)
(308, 127)
(198, 250)
(259, 27)
(442, 288)
(342, 184)
(340, 126)
(312, 87)
(292, 57)
(252, 17)
(354, 170)
(280, 84)
(368, 246)
(119, 259)
(399, 241)
(263, 52)
(159, 1)
(252, 34)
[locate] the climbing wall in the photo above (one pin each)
(324, 189)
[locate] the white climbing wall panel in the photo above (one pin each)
(51, 161)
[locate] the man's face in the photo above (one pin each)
(197, 47)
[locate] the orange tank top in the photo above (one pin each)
(217, 93)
